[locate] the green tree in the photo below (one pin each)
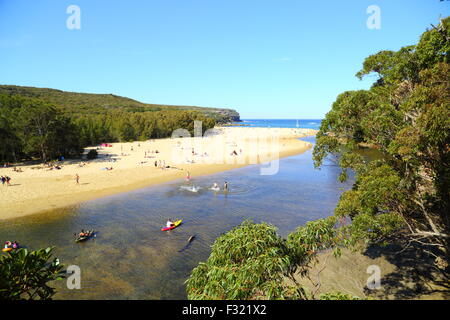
(407, 118)
(25, 275)
(252, 262)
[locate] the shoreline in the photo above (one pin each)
(38, 189)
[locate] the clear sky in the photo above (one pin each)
(264, 58)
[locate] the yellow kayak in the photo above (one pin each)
(175, 224)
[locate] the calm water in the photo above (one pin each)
(281, 123)
(132, 259)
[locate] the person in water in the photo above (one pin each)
(215, 186)
(225, 186)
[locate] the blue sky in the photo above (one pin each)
(265, 58)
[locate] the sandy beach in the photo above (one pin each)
(122, 167)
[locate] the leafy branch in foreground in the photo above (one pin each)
(25, 275)
(252, 262)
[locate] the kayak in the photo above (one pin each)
(90, 234)
(7, 249)
(175, 224)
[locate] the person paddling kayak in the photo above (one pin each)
(83, 234)
(169, 224)
(11, 245)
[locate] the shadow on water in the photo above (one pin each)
(132, 259)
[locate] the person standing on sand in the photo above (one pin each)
(3, 180)
(8, 179)
(77, 178)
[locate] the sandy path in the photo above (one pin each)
(37, 188)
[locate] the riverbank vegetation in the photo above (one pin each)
(406, 116)
(252, 261)
(403, 196)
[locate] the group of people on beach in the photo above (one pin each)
(5, 180)
(153, 151)
(160, 164)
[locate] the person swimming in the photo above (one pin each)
(215, 187)
(225, 186)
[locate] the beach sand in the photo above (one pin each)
(38, 188)
(405, 274)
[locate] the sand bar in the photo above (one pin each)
(39, 188)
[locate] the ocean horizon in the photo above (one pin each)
(281, 123)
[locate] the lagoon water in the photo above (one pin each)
(132, 259)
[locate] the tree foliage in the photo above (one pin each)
(32, 128)
(252, 262)
(406, 116)
(25, 275)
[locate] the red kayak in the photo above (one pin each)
(175, 224)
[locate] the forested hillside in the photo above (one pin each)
(47, 123)
(74, 102)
